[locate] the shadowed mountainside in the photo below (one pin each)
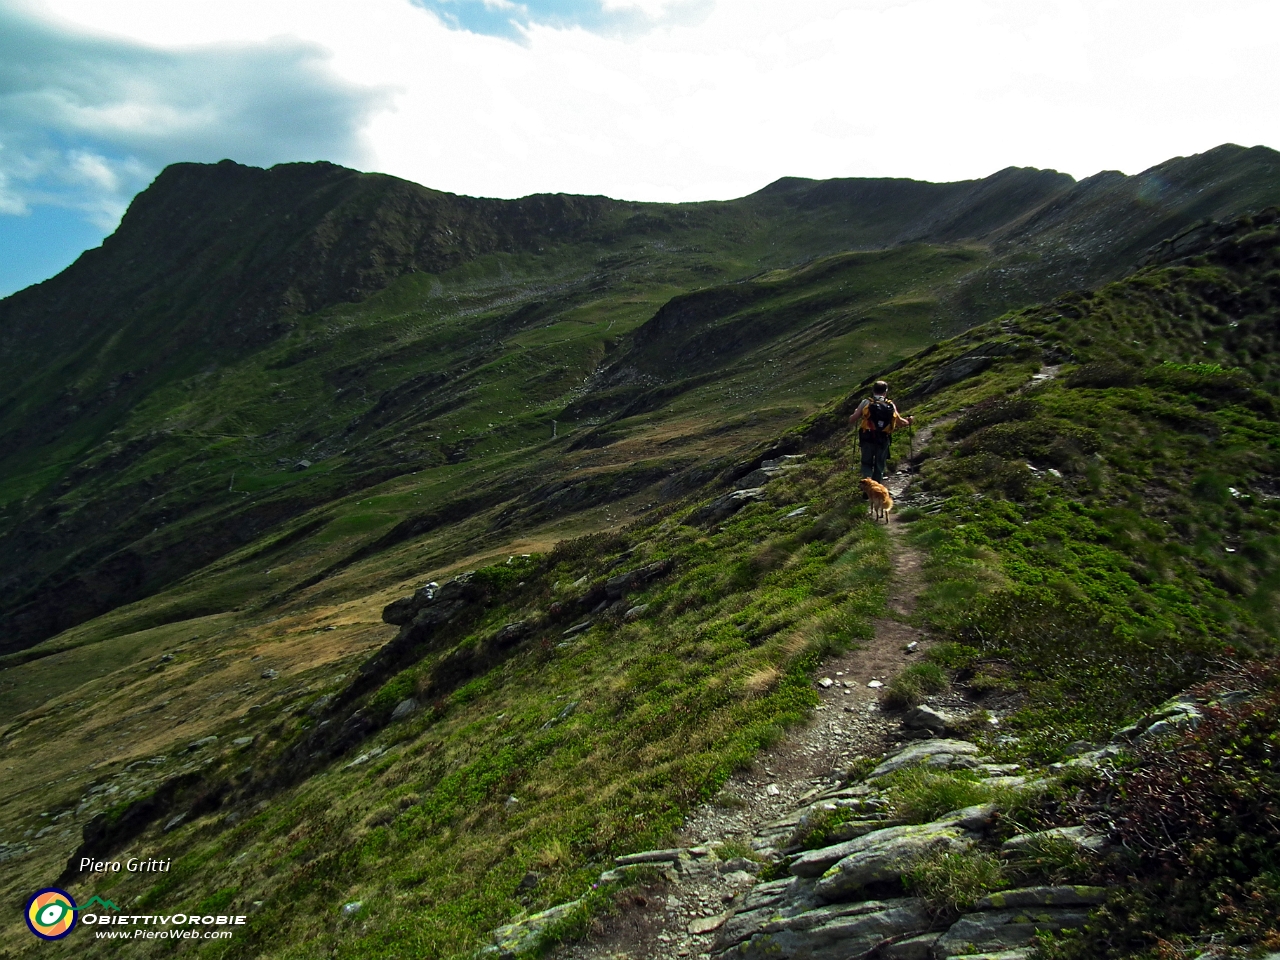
(164, 390)
(1095, 503)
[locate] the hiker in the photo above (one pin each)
(876, 418)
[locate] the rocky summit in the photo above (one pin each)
(427, 575)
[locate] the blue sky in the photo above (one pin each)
(644, 99)
(511, 20)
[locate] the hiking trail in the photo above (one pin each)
(678, 916)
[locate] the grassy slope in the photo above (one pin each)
(241, 356)
(1074, 601)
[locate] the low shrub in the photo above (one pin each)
(913, 684)
(955, 881)
(1054, 860)
(814, 830)
(919, 795)
(952, 655)
(1201, 818)
(1044, 440)
(1104, 374)
(991, 411)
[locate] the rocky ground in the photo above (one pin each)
(679, 914)
(800, 856)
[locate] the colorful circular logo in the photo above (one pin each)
(51, 913)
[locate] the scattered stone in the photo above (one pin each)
(797, 512)
(302, 465)
(875, 684)
(525, 936)
(1012, 782)
(997, 769)
(786, 460)
(723, 507)
(365, 758)
(636, 612)
(929, 719)
(1169, 717)
(202, 742)
(772, 790)
(269, 674)
(649, 856)
(352, 908)
(403, 709)
(174, 822)
(976, 818)
(707, 924)
(11, 851)
(615, 588)
(242, 741)
(577, 628)
(565, 713)
(913, 646)
(511, 802)
(529, 882)
(826, 683)
(512, 633)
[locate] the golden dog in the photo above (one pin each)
(881, 501)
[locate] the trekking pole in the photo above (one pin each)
(911, 442)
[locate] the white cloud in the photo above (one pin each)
(87, 119)
(713, 100)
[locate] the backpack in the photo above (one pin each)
(879, 416)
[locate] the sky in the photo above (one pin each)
(670, 100)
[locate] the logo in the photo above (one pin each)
(51, 913)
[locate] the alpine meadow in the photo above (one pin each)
(416, 575)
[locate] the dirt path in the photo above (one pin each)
(665, 920)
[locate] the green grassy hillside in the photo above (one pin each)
(414, 348)
(1097, 507)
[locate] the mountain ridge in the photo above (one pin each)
(257, 268)
(1095, 510)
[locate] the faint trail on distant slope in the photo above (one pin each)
(653, 922)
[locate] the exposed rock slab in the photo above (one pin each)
(524, 936)
(1081, 837)
(844, 931)
(1059, 896)
(939, 754)
(884, 856)
(994, 931)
